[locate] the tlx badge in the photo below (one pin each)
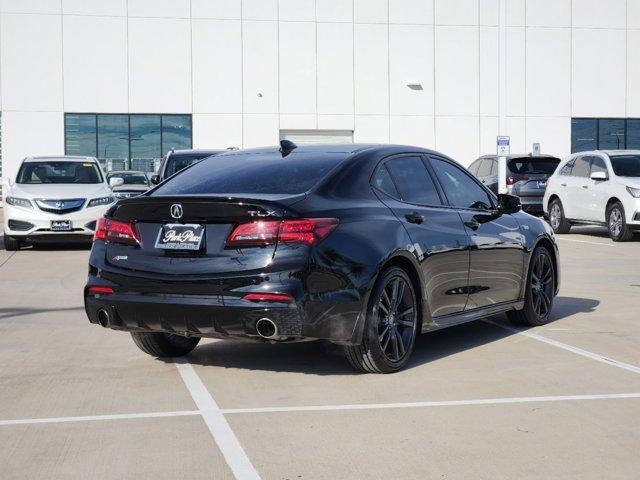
(260, 213)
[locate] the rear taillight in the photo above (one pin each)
(511, 181)
(97, 290)
(115, 231)
(303, 230)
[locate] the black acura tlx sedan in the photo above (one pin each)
(361, 245)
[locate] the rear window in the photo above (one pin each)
(533, 165)
(267, 173)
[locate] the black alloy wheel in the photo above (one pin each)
(391, 325)
(540, 291)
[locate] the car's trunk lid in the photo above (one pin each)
(218, 215)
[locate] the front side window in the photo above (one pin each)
(626, 165)
(581, 167)
(461, 190)
(59, 172)
(598, 165)
(413, 181)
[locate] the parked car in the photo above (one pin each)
(526, 176)
(364, 246)
(133, 183)
(177, 160)
(597, 187)
(54, 199)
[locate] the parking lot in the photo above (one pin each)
(483, 400)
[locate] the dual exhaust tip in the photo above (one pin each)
(265, 327)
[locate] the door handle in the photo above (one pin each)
(563, 184)
(585, 186)
(472, 224)
(414, 217)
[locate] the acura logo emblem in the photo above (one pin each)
(59, 204)
(176, 210)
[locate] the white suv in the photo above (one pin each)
(598, 187)
(54, 198)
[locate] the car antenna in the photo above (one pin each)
(286, 147)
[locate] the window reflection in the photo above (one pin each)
(633, 134)
(145, 136)
(176, 132)
(611, 134)
(584, 134)
(113, 136)
(604, 134)
(80, 135)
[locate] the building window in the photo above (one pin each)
(604, 134)
(126, 141)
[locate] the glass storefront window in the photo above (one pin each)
(113, 136)
(176, 132)
(633, 134)
(145, 136)
(611, 134)
(584, 134)
(80, 134)
(604, 134)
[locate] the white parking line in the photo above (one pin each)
(228, 444)
(92, 418)
(584, 241)
(445, 403)
(570, 348)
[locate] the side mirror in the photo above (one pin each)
(599, 176)
(508, 203)
(116, 182)
(155, 179)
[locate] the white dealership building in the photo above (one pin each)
(130, 79)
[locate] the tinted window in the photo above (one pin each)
(80, 134)
(611, 134)
(584, 134)
(598, 165)
(494, 167)
(175, 163)
(581, 167)
(566, 168)
(626, 165)
(461, 190)
(176, 132)
(145, 136)
(130, 178)
(113, 136)
(473, 168)
(633, 134)
(383, 182)
(413, 181)
(59, 172)
(533, 165)
(265, 173)
(485, 168)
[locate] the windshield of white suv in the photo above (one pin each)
(130, 178)
(59, 172)
(626, 165)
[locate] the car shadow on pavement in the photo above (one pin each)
(320, 358)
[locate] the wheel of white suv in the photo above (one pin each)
(619, 231)
(11, 243)
(557, 220)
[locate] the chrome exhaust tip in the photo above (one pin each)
(103, 317)
(266, 328)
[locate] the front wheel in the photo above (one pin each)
(160, 344)
(541, 287)
(619, 231)
(11, 244)
(390, 325)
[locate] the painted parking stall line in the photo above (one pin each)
(94, 418)
(224, 437)
(570, 348)
(445, 403)
(585, 241)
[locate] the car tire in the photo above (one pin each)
(11, 244)
(557, 219)
(540, 291)
(160, 344)
(391, 325)
(619, 231)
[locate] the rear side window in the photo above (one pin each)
(581, 167)
(494, 167)
(533, 165)
(474, 167)
(566, 169)
(485, 168)
(413, 181)
(461, 190)
(383, 182)
(254, 173)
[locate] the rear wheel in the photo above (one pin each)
(541, 288)
(11, 243)
(390, 326)
(557, 220)
(619, 231)
(162, 344)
